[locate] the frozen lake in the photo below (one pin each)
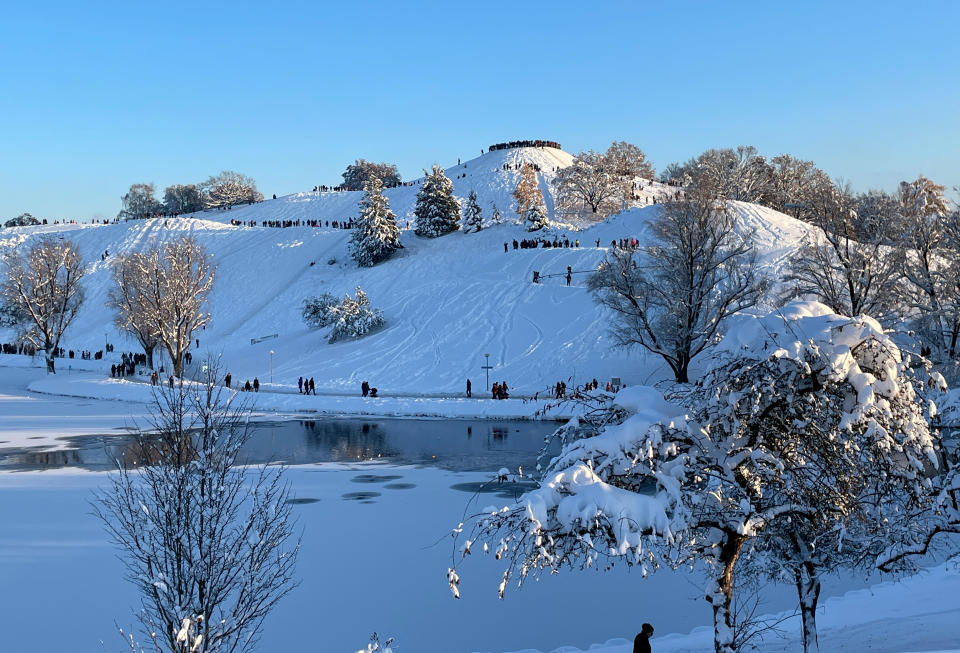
(376, 502)
(457, 445)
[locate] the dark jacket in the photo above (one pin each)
(641, 643)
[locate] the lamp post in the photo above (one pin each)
(488, 368)
(271, 366)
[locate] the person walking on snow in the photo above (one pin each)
(300, 385)
(469, 393)
(256, 384)
(641, 643)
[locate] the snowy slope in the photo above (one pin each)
(447, 301)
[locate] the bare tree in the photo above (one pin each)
(627, 160)
(42, 289)
(931, 265)
(673, 296)
(139, 202)
(169, 287)
(359, 173)
(129, 301)
(846, 265)
(229, 189)
(588, 185)
(182, 198)
(207, 542)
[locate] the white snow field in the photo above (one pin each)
(381, 566)
(447, 301)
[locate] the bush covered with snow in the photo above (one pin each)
(317, 310)
(351, 317)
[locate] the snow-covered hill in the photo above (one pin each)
(448, 301)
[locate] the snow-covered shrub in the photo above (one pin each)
(802, 413)
(317, 310)
(354, 317)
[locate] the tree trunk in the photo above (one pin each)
(149, 353)
(720, 595)
(808, 590)
(50, 353)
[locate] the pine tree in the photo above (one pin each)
(376, 235)
(472, 214)
(495, 216)
(527, 192)
(437, 211)
(535, 217)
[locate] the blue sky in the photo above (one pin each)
(95, 96)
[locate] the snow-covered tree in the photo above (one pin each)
(354, 317)
(673, 296)
(535, 217)
(139, 202)
(41, 289)
(317, 310)
(130, 304)
(737, 174)
(171, 284)
(472, 214)
(527, 193)
(229, 189)
(22, 220)
(589, 186)
(495, 216)
(437, 211)
(376, 235)
(931, 267)
(628, 161)
(208, 542)
(840, 265)
(791, 180)
(793, 411)
(359, 173)
(182, 198)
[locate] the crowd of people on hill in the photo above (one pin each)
(514, 144)
(283, 224)
(544, 243)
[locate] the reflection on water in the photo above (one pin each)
(459, 445)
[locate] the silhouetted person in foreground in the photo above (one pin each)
(641, 643)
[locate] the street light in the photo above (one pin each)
(488, 368)
(271, 366)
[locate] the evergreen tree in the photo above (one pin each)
(535, 217)
(495, 216)
(472, 214)
(437, 210)
(376, 235)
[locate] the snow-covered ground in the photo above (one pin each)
(380, 566)
(448, 301)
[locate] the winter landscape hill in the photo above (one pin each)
(447, 301)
